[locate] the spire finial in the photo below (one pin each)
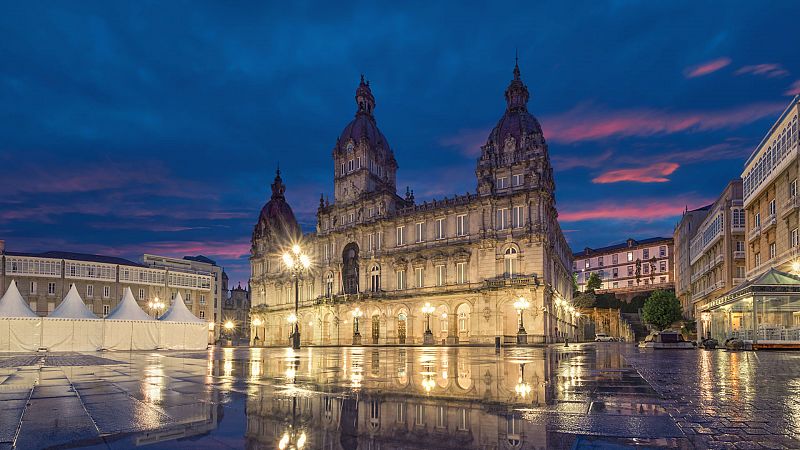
(516, 65)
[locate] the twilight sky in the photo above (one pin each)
(156, 127)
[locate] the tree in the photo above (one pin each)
(653, 270)
(575, 283)
(584, 300)
(594, 282)
(662, 309)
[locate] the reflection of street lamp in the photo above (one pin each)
(257, 323)
(296, 262)
(521, 305)
(428, 337)
(357, 313)
(156, 305)
(522, 388)
(293, 438)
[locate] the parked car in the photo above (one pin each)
(602, 337)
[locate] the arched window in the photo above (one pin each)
(375, 278)
(510, 258)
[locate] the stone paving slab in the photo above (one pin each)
(55, 421)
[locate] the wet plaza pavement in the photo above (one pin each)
(608, 395)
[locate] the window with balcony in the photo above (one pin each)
(375, 279)
(757, 259)
(510, 262)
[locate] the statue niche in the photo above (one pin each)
(350, 268)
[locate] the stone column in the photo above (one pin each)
(452, 329)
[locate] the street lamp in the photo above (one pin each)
(257, 322)
(229, 325)
(706, 318)
(296, 262)
(356, 335)
(156, 305)
(522, 388)
(521, 305)
(427, 338)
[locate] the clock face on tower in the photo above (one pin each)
(349, 147)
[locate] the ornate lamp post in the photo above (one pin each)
(427, 338)
(356, 335)
(156, 305)
(522, 388)
(296, 262)
(292, 319)
(257, 323)
(521, 305)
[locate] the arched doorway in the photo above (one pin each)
(462, 313)
(402, 324)
(350, 268)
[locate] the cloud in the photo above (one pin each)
(706, 67)
(584, 123)
(654, 173)
(766, 70)
(794, 89)
(636, 211)
(469, 141)
(561, 162)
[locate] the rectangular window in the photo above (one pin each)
(370, 242)
(630, 282)
(419, 277)
(461, 225)
(440, 229)
(757, 219)
(646, 253)
(33, 287)
(202, 299)
(463, 422)
(772, 207)
(33, 305)
(419, 415)
(662, 251)
(350, 165)
(758, 259)
(202, 314)
(51, 288)
(793, 188)
(517, 179)
(662, 279)
(502, 182)
(106, 309)
(401, 412)
(630, 271)
(599, 261)
(188, 297)
(401, 279)
(400, 235)
(342, 171)
(420, 231)
(616, 284)
(106, 291)
(503, 218)
(440, 275)
(141, 294)
(793, 240)
(772, 250)
(662, 266)
(518, 217)
(461, 273)
(615, 272)
(630, 256)
(51, 306)
(614, 259)
(587, 264)
(441, 417)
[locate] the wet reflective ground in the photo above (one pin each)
(607, 395)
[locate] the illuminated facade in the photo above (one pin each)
(685, 230)
(470, 257)
(634, 265)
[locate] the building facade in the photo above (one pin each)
(770, 197)
(469, 256)
(717, 251)
(630, 266)
(685, 230)
(206, 305)
(45, 278)
(236, 307)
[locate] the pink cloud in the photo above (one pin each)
(794, 89)
(213, 249)
(706, 67)
(639, 211)
(767, 70)
(654, 173)
(586, 124)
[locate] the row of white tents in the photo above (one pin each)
(73, 327)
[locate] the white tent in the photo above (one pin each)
(182, 330)
(128, 309)
(72, 307)
(178, 312)
(13, 305)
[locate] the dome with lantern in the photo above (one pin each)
(277, 224)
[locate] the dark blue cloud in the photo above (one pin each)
(152, 126)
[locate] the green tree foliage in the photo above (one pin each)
(638, 271)
(662, 309)
(594, 282)
(585, 300)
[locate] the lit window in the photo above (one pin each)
(510, 262)
(630, 256)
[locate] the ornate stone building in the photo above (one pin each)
(469, 256)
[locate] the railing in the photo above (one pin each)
(738, 254)
(769, 222)
(790, 205)
(754, 232)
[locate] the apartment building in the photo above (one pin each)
(717, 250)
(629, 266)
(685, 230)
(770, 197)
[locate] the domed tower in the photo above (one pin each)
(515, 154)
(364, 163)
(277, 226)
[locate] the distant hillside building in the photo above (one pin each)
(630, 266)
(685, 230)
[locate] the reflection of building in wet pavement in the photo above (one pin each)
(413, 398)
